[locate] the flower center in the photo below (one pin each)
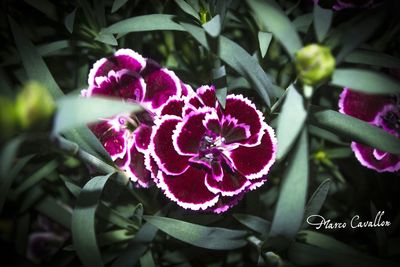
(210, 146)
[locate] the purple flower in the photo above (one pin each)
(380, 111)
(208, 157)
(128, 76)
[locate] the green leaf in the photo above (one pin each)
(34, 65)
(264, 40)
(254, 223)
(373, 58)
(83, 221)
(44, 6)
(213, 27)
(339, 152)
(198, 235)
(75, 111)
(290, 207)
(355, 130)
(7, 156)
(322, 21)
(117, 5)
(290, 121)
(366, 81)
(56, 211)
(188, 9)
(114, 236)
(36, 177)
(70, 20)
(219, 81)
(316, 201)
(151, 22)
(275, 20)
(147, 260)
(107, 38)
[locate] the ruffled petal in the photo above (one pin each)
(207, 96)
(188, 189)
(255, 162)
(225, 203)
(122, 59)
(142, 137)
(189, 132)
(367, 158)
(160, 85)
(231, 183)
(245, 112)
(161, 147)
(233, 131)
(136, 170)
(174, 106)
(362, 106)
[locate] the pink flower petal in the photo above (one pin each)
(231, 184)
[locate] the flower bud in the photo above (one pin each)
(34, 106)
(314, 64)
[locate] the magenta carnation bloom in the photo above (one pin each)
(381, 111)
(208, 157)
(128, 76)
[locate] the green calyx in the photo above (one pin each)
(314, 64)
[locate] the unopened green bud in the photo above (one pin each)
(34, 106)
(315, 64)
(7, 118)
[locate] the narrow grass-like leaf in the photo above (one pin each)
(33, 63)
(143, 23)
(373, 58)
(44, 6)
(198, 235)
(188, 9)
(114, 236)
(147, 260)
(316, 201)
(70, 20)
(213, 27)
(117, 5)
(290, 121)
(75, 111)
(255, 223)
(366, 81)
(55, 210)
(339, 152)
(264, 40)
(322, 21)
(36, 177)
(83, 221)
(275, 20)
(107, 38)
(292, 198)
(355, 130)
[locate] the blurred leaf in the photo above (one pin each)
(303, 22)
(117, 5)
(198, 235)
(83, 221)
(339, 152)
(70, 20)
(380, 232)
(113, 237)
(254, 223)
(373, 58)
(37, 176)
(292, 197)
(151, 22)
(316, 201)
(75, 111)
(366, 81)
(34, 65)
(356, 130)
(44, 6)
(188, 9)
(326, 135)
(213, 27)
(8, 154)
(290, 121)
(219, 81)
(275, 20)
(55, 210)
(107, 38)
(147, 260)
(264, 39)
(322, 21)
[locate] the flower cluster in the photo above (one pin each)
(201, 155)
(380, 111)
